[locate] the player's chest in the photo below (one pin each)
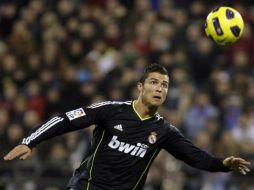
(134, 131)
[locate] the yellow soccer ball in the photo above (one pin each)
(224, 25)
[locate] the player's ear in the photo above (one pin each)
(139, 86)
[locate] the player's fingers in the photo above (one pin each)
(241, 160)
(245, 168)
(241, 168)
(12, 154)
(244, 162)
(25, 155)
(242, 171)
(16, 152)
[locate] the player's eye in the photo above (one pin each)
(153, 82)
(164, 85)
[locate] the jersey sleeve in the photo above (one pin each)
(182, 149)
(66, 122)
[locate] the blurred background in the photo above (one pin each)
(56, 55)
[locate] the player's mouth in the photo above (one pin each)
(157, 97)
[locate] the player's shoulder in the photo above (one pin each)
(109, 104)
(169, 126)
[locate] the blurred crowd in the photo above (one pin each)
(60, 55)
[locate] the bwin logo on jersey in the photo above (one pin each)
(138, 150)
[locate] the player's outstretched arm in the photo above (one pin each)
(21, 151)
(237, 164)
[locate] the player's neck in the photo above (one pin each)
(144, 110)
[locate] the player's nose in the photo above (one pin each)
(158, 88)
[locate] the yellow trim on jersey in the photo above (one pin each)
(90, 172)
(142, 119)
(84, 161)
(145, 169)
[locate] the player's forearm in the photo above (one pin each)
(218, 166)
(185, 150)
(205, 161)
(200, 159)
(51, 128)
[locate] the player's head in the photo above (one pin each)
(153, 85)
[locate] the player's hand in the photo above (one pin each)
(20, 151)
(237, 164)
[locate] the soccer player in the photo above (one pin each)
(127, 138)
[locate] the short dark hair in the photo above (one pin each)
(155, 67)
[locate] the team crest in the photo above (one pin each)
(152, 138)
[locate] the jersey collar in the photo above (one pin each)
(141, 118)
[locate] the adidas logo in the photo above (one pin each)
(118, 127)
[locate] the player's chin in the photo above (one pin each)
(157, 102)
